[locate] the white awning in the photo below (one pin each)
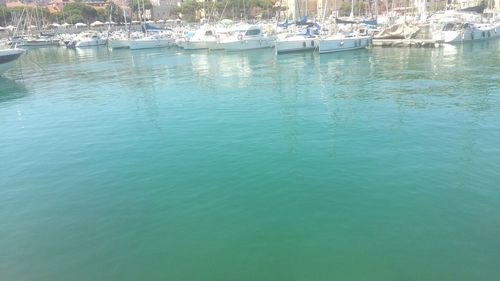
(97, 23)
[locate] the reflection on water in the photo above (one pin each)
(409, 76)
(450, 54)
(10, 89)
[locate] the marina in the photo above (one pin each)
(334, 148)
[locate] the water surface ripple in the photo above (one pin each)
(379, 164)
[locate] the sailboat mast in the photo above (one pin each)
(324, 12)
(124, 14)
(351, 16)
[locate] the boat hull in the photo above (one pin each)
(215, 45)
(339, 44)
(193, 45)
(90, 43)
(40, 43)
(247, 44)
(8, 58)
(458, 36)
(296, 45)
(118, 43)
(150, 44)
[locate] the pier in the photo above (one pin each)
(428, 43)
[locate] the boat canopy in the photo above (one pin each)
(475, 9)
(253, 31)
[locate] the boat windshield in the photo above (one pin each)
(449, 27)
(252, 32)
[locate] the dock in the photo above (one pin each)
(428, 43)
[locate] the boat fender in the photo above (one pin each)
(489, 34)
(482, 34)
(472, 36)
(341, 43)
(312, 43)
(304, 44)
(240, 36)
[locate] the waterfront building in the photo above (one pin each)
(52, 5)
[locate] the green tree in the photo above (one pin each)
(137, 5)
(5, 16)
(228, 8)
(188, 9)
(345, 9)
(102, 15)
(78, 12)
(116, 12)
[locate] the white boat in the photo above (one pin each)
(152, 41)
(199, 40)
(341, 42)
(84, 40)
(8, 58)
(215, 45)
(119, 40)
(40, 41)
(221, 35)
(457, 32)
(306, 41)
(118, 43)
(248, 38)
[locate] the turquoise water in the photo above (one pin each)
(380, 164)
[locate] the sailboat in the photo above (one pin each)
(345, 41)
(303, 35)
(119, 40)
(305, 40)
(154, 37)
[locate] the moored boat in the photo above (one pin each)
(457, 32)
(293, 42)
(341, 42)
(40, 41)
(153, 41)
(248, 38)
(199, 40)
(8, 58)
(118, 43)
(86, 39)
